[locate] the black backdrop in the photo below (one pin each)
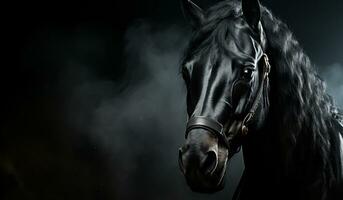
(92, 102)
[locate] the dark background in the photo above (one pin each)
(93, 106)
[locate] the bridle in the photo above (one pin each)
(216, 128)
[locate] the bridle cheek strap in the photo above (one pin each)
(239, 126)
(258, 98)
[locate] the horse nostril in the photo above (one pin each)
(182, 168)
(209, 163)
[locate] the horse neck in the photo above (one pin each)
(264, 159)
(262, 173)
(260, 152)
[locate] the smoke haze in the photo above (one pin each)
(142, 126)
(333, 77)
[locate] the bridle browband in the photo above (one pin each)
(216, 128)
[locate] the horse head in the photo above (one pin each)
(226, 73)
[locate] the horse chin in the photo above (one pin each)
(208, 183)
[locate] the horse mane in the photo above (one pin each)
(309, 119)
(308, 122)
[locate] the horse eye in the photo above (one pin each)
(247, 73)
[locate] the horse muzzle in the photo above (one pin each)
(202, 162)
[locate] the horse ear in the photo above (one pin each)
(252, 13)
(192, 12)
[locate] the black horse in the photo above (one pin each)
(250, 85)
